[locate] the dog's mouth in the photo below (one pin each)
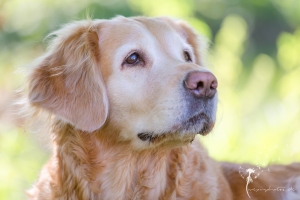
(197, 124)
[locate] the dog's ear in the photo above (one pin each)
(67, 80)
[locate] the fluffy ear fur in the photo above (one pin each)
(67, 80)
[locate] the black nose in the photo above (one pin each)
(201, 84)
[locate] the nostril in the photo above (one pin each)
(214, 85)
(200, 84)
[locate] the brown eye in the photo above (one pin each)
(187, 56)
(133, 59)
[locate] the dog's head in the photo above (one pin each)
(144, 78)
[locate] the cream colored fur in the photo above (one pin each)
(99, 105)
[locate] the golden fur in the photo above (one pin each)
(99, 105)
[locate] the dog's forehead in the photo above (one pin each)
(122, 30)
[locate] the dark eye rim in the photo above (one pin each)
(129, 55)
(141, 62)
(188, 59)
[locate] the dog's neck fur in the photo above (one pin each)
(93, 166)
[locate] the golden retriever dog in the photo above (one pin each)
(126, 99)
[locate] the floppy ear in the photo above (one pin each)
(67, 80)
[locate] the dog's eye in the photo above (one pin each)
(133, 59)
(187, 56)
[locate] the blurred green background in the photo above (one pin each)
(255, 54)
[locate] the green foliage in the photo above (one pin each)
(21, 160)
(254, 54)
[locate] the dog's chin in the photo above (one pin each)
(200, 123)
(185, 131)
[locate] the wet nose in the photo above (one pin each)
(201, 84)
